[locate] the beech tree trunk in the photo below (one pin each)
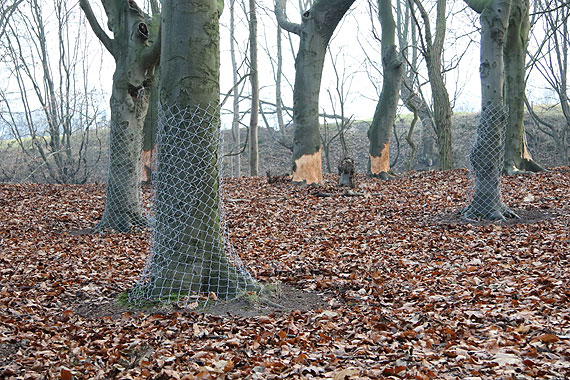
(149, 136)
(383, 122)
(486, 157)
(136, 50)
(441, 106)
(236, 159)
(517, 157)
(187, 175)
(315, 31)
(254, 79)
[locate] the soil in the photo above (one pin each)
(281, 300)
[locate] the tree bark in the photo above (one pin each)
(188, 251)
(383, 121)
(149, 135)
(315, 31)
(517, 157)
(136, 50)
(254, 79)
(433, 50)
(486, 157)
(235, 110)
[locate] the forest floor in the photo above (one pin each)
(386, 283)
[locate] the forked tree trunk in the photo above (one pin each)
(136, 52)
(315, 31)
(486, 157)
(517, 157)
(383, 121)
(188, 250)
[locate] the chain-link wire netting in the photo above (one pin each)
(191, 259)
(486, 165)
(123, 209)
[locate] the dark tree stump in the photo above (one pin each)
(346, 172)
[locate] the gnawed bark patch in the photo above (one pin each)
(380, 164)
(308, 169)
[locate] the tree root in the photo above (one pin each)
(503, 213)
(383, 175)
(526, 167)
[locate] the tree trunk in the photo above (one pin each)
(441, 106)
(149, 136)
(441, 113)
(188, 252)
(235, 115)
(486, 157)
(315, 31)
(122, 206)
(517, 157)
(136, 50)
(383, 121)
(253, 124)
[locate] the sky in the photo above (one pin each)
(348, 45)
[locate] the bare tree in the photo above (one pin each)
(315, 30)
(432, 50)
(517, 156)
(136, 49)
(550, 59)
(7, 9)
(383, 121)
(411, 91)
(254, 80)
(53, 115)
(235, 90)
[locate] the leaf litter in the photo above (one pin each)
(390, 285)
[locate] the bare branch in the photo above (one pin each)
(5, 14)
(107, 41)
(280, 13)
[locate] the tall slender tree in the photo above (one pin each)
(254, 80)
(383, 121)
(135, 46)
(236, 159)
(411, 92)
(517, 156)
(432, 50)
(315, 31)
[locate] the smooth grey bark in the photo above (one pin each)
(383, 122)
(517, 158)
(486, 156)
(136, 49)
(254, 80)
(188, 172)
(236, 159)
(316, 28)
(432, 50)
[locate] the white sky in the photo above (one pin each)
(463, 81)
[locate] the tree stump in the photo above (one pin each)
(346, 172)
